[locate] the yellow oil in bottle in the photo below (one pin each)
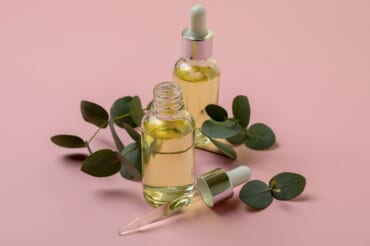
(200, 85)
(168, 159)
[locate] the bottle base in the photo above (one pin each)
(158, 196)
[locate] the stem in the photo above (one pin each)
(97, 131)
(245, 130)
(116, 139)
(121, 116)
(88, 147)
(124, 116)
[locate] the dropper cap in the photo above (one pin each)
(197, 39)
(198, 23)
(217, 185)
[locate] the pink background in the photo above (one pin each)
(305, 66)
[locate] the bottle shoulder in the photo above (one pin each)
(196, 70)
(211, 62)
(181, 115)
(180, 122)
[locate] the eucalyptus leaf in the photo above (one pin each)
(68, 141)
(94, 113)
(226, 129)
(241, 110)
(216, 112)
(136, 110)
(133, 154)
(256, 194)
(132, 132)
(224, 148)
(130, 147)
(150, 104)
(286, 186)
(117, 140)
(237, 139)
(128, 166)
(120, 112)
(102, 163)
(259, 137)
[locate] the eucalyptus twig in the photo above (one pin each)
(96, 132)
(120, 117)
(88, 147)
(115, 137)
(283, 186)
(222, 130)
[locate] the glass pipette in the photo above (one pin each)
(160, 213)
(212, 187)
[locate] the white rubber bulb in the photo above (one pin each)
(239, 175)
(198, 27)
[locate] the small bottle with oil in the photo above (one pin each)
(167, 147)
(196, 71)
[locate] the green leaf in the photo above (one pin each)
(102, 163)
(237, 139)
(226, 129)
(150, 104)
(216, 112)
(226, 149)
(256, 194)
(95, 114)
(241, 110)
(120, 112)
(129, 167)
(286, 186)
(68, 141)
(136, 110)
(117, 140)
(133, 154)
(259, 137)
(132, 132)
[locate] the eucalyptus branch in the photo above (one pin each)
(88, 147)
(120, 117)
(221, 130)
(284, 186)
(96, 132)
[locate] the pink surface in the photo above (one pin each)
(305, 66)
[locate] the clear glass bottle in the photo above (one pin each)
(196, 71)
(167, 147)
(199, 80)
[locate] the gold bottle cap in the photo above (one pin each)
(217, 185)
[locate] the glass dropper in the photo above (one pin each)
(212, 188)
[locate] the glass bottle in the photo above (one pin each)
(167, 147)
(196, 71)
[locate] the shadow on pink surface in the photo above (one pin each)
(74, 159)
(228, 207)
(120, 195)
(108, 143)
(286, 205)
(306, 197)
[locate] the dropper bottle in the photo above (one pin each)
(167, 147)
(196, 71)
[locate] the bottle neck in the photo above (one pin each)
(197, 49)
(167, 98)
